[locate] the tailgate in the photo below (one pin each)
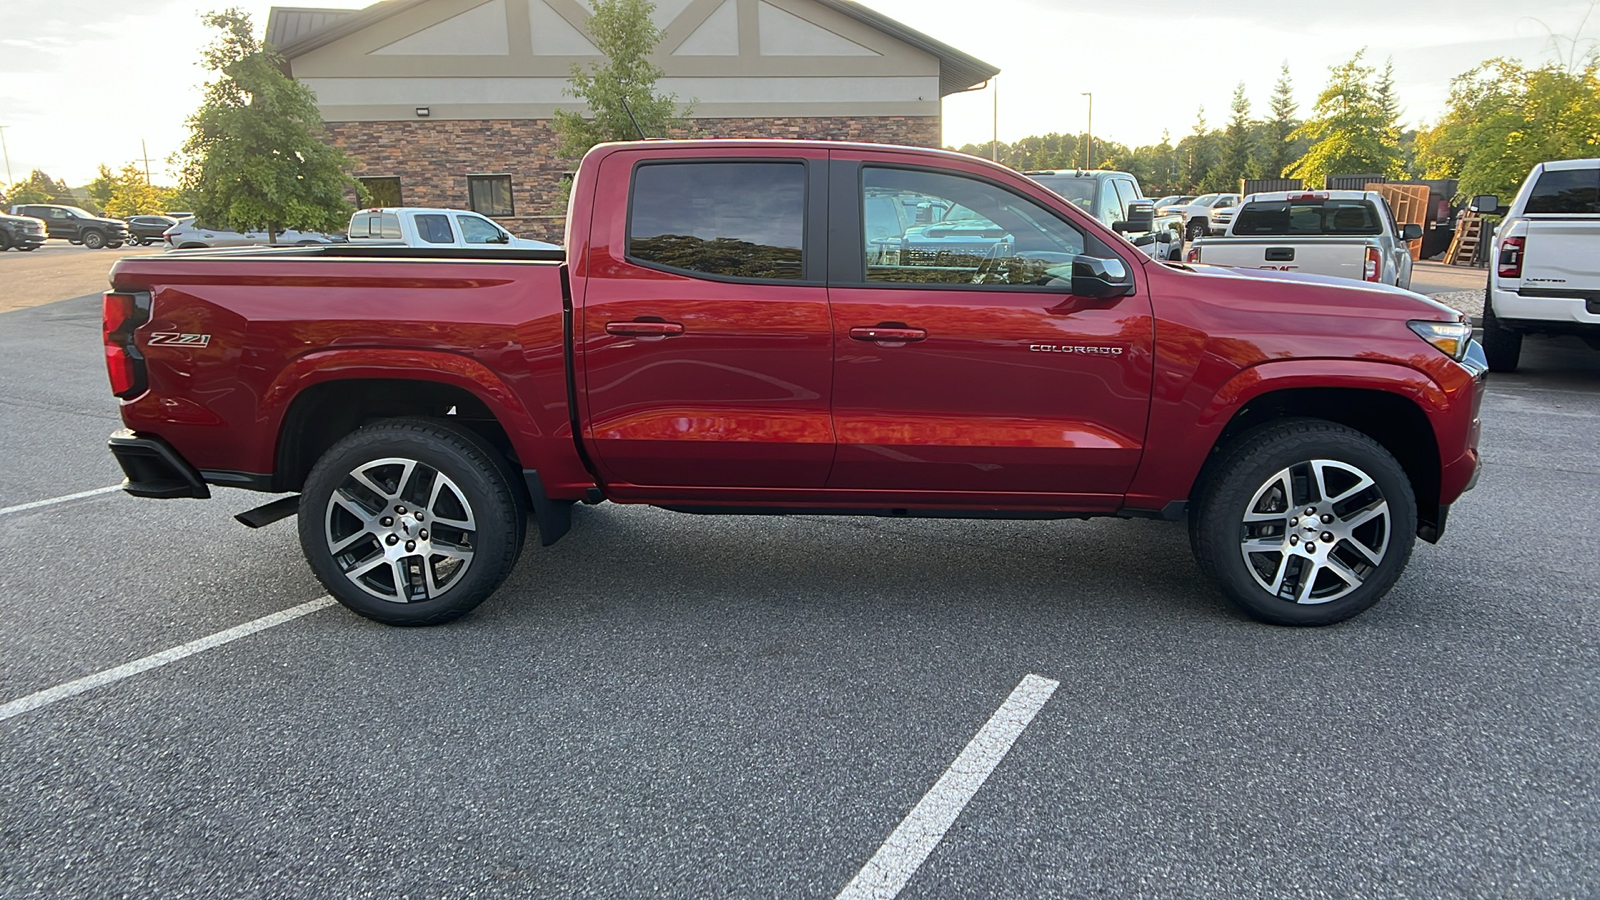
(1562, 254)
(1339, 257)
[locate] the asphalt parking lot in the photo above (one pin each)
(666, 705)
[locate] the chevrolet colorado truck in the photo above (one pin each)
(1343, 234)
(720, 336)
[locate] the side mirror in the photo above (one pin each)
(1100, 278)
(1410, 232)
(1485, 204)
(1141, 217)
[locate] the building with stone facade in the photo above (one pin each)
(450, 102)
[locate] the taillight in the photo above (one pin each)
(1193, 255)
(1374, 265)
(1510, 258)
(121, 315)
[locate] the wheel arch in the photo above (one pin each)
(1392, 418)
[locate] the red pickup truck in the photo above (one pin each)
(730, 331)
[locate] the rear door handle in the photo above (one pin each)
(645, 329)
(887, 333)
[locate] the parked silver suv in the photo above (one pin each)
(1545, 278)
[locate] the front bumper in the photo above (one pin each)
(154, 469)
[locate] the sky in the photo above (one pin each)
(83, 82)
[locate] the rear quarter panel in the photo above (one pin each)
(276, 326)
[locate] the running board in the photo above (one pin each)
(261, 516)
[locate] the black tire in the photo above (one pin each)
(465, 481)
(1501, 346)
(1374, 526)
(1195, 230)
(5, 242)
(28, 247)
(94, 240)
(113, 245)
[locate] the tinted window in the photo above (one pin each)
(361, 225)
(1078, 190)
(1291, 217)
(477, 231)
(1566, 192)
(743, 220)
(388, 226)
(990, 236)
(434, 228)
(490, 195)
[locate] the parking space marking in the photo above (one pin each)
(886, 874)
(127, 670)
(54, 500)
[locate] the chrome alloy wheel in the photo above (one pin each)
(400, 530)
(1315, 531)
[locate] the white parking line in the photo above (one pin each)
(54, 500)
(883, 877)
(127, 670)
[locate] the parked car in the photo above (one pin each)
(1343, 234)
(436, 228)
(144, 230)
(1545, 277)
(718, 341)
(186, 235)
(76, 226)
(21, 232)
(1114, 197)
(1197, 214)
(1221, 218)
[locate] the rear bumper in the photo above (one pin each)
(154, 469)
(1577, 313)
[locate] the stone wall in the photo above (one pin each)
(433, 157)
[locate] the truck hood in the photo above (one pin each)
(1326, 289)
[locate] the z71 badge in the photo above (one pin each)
(173, 337)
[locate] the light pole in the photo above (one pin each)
(994, 146)
(1090, 95)
(6, 152)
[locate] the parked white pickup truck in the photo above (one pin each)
(436, 228)
(1546, 274)
(1345, 234)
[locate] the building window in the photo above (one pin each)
(737, 219)
(490, 195)
(382, 191)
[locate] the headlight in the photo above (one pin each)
(1451, 338)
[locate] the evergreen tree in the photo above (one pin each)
(1197, 153)
(1279, 151)
(1237, 151)
(254, 159)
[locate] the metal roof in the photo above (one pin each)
(287, 24)
(298, 31)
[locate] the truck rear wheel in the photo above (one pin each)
(1502, 347)
(1304, 522)
(411, 521)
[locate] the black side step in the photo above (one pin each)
(281, 508)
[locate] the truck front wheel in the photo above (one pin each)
(411, 521)
(1304, 522)
(94, 240)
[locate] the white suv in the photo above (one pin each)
(1546, 273)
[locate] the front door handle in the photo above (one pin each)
(645, 329)
(897, 334)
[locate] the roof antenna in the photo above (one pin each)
(635, 122)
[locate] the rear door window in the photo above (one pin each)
(1566, 192)
(1308, 217)
(434, 228)
(741, 220)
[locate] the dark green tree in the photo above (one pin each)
(1238, 149)
(1278, 150)
(39, 188)
(620, 92)
(255, 158)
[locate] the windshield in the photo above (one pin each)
(1306, 217)
(1207, 200)
(1078, 190)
